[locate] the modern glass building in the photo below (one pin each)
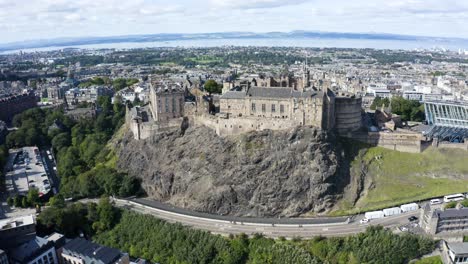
(448, 120)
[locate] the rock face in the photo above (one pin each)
(268, 173)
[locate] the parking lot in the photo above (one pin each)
(26, 170)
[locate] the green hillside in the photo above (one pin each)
(393, 177)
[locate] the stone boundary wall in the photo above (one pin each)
(404, 142)
(143, 130)
(236, 126)
(462, 146)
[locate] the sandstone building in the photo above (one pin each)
(167, 102)
(248, 108)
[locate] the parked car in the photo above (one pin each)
(412, 218)
(436, 201)
(364, 221)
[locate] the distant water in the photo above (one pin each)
(454, 45)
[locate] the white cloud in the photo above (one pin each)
(33, 19)
(254, 4)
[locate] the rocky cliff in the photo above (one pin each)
(268, 173)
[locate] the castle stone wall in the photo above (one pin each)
(404, 142)
(348, 114)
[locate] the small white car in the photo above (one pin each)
(436, 201)
(364, 221)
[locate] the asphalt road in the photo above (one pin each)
(50, 164)
(270, 230)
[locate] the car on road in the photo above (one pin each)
(28, 168)
(364, 221)
(436, 201)
(44, 175)
(412, 218)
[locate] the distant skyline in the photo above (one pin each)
(22, 20)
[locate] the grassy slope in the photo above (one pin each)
(405, 177)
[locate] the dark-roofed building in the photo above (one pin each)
(3, 257)
(455, 253)
(445, 222)
(36, 251)
(82, 251)
(16, 231)
(12, 105)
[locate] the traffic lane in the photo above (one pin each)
(272, 231)
(50, 170)
(288, 232)
(266, 220)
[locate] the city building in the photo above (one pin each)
(444, 222)
(36, 251)
(448, 120)
(3, 257)
(413, 95)
(16, 231)
(246, 109)
(167, 101)
(82, 251)
(12, 105)
(75, 96)
(455, 253)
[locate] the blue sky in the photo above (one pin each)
(44, 19)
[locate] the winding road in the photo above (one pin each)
(270, 227)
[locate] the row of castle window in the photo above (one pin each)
(273, 108)
(174, 107)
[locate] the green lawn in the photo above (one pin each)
(395, 177)
(205, 59)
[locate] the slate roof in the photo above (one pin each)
(268, 92)
(89, 251)
(459, 248)
(450, 213)
(31, 249)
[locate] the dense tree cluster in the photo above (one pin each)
(30, 200)
(409, 110)
(77, 218)
(96, 81)
(159, 241)
(121, 83)
(379, 102)
(376, 245)
(118, 84)
(211, 57)
(80, 148)
(211, 86)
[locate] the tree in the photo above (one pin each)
(107, 215)
(452, 204)
(24, 202)
(211, 86)
(464, 203)
(60, 141)
(17, 201)
(33, 197)
(57, 201)
(10, 201)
